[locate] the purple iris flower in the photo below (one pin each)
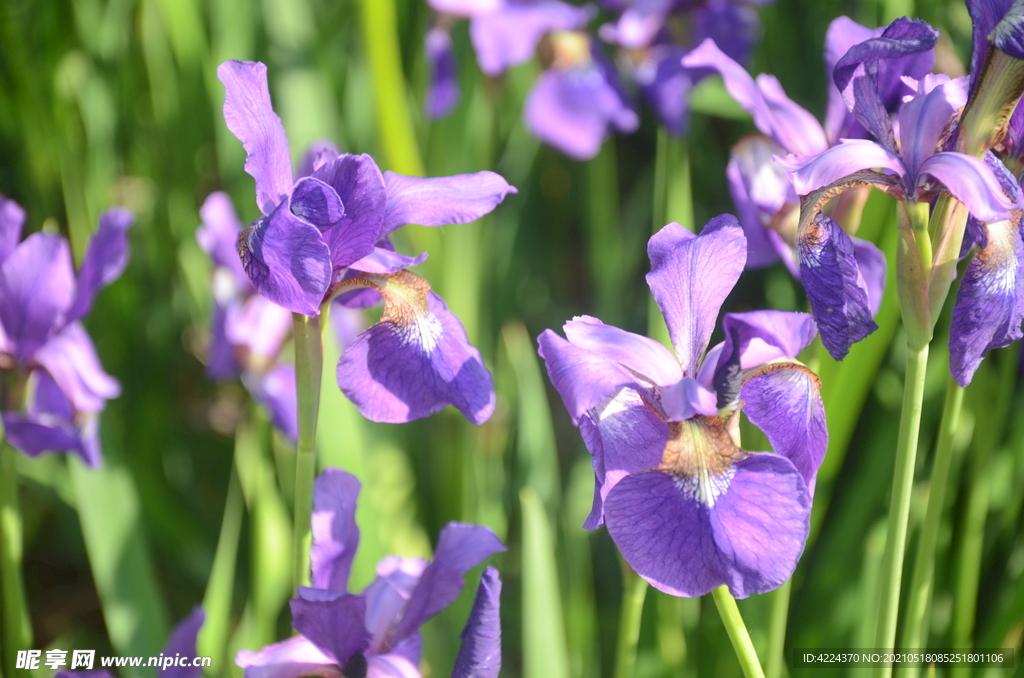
(443, 91)
(42, 340)
(687, 507)
(376, 633)
(181, 645)
(330, 230)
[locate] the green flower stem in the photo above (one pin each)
(309, 359)
(673, 201)
(737, 630)
(17, 625)
(915, 628)
(777, 630)
(634, 591)
(899, 504)
(605, 232)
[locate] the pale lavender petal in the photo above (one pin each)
(687, 399)
(333, 621)
(972, 183)
(842, 34)
(387, 597)
(391, 666)
(443, 89)
(636, 352)
(287, 261)
(36, 287)
(639, 23)
(260, 327)
(436, 201)
(690, 277)
(275, 391)
(413, 364)
(509, 35)
(665, 83)
(314, 201)
(480, 653)
(465, 8)
(250, 117)
(360, 185)
(292, 658)
(71, 360)
(763, 336)
(850, 156)
(872, 266)
(835, 286)
(335, 533)
(460, 548)
(990, 302)
(319, 154)
(12, 218)
(182, 641)
(383, 261)
(218, 236)
(760, 188)
(786, 404)
(923, 120)
(105, 259)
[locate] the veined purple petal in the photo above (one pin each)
(872, 266)
(480, 653)
(990, 302)
(850, 156)
(510, 34)
(436, 201)
(690, 277)
(1007, 35)
(443, 89)
(71, 360)
(275, 391)
(774, 113)
(333, 621)
(105, 259)
(36, 288)
(218, 236)
(360, 186)
(416, 360)
(182, 641)
(760, 189)
(639, 23)
(287, 261)
(924, 118)
(12, 218)
(972, 183)
(835, 286)
(842, 34)
(460, 548)
(317, 155)
(314, 201)
(292, 658)
(250, 117)
(985, 15)
(335, 533)
(639, 354)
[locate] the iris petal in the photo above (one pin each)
(335, 533)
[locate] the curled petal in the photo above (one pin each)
(480, 653)
(314, 201)
(457, 199)
(844, 160)
(333, 621)
(287, 261)
(335, 533)
(990, 302)
(218, 236)
(973, 183)
(275, 391)
(842, 34)
(36, 287)
(292, 658)
(250, 117)
(510, 34)
(443, 89)
(835, 286)
(71, 360)
(416, 360)
(690, 277)
(182, 641)
(12, 218)
(360, 186)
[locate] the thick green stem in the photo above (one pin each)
(309, 359)
(777, 630)
(17, 625)
(915, 630)
(737, 631)
(891, 575)
(634, 591)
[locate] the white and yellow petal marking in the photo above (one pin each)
(405, 306)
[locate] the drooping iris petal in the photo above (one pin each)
(182, 641)
(287, 261)
(972, 183)
(690, 278)
(314, 201)
(443, 90)
(760, 189)
(480, 653)
(36, 287)
(416, 360)
(105, 259)
(762, 336)
(218, 236)
(251, 118)
(384, 261)
(872, 266)
(436, 201)
(292, 658)
(335, 533)
(990, 302)
(460, 548)
(275, 391)
(835, 286)
(49, 425)
(71, 360)
(840, 161)
(12, 218)
(360, 185)
(334, 621)
(842, 34)
(510, 34)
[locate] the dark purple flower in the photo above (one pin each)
(480, 653)
(42, 340)
(376, 633)
(688, 508)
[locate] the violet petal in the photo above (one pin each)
(443, 89)
(292, 658)
(275, 391)
(12, 219)
(314, 201)
(509, 35)
(480, 653)
(334, 621)
(71, 360)
(436, 201)
(182, 641)
(335, 533)
(759, 187)
(360, 186)
(105, 259)
(218, 236)
(973, 183)
(872, 266)
(851, 155)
